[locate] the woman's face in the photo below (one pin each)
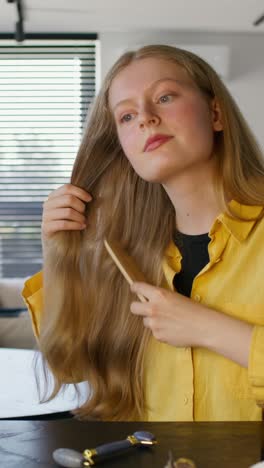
(154, 96)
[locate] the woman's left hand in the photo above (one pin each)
(172, 317)
(180, 321)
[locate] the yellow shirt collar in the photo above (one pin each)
(239, 229)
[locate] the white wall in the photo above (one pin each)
(246, 74)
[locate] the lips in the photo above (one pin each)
(156, 141)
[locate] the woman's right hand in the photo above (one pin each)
(64, 211)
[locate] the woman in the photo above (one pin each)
(188, 207)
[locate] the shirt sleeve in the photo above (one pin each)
(32, 294)
(256, 364)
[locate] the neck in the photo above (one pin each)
(194, 199)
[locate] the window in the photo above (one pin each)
(45, 89)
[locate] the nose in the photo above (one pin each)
(148, 118)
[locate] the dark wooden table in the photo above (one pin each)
(29, 444)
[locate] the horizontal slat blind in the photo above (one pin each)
(45, 89)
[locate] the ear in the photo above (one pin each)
(216, 115)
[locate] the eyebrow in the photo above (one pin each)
(152, 86)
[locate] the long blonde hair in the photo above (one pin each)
(87, 331)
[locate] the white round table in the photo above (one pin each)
(18, 390)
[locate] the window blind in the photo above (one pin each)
(46, 87)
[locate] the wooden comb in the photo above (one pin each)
(126, 264)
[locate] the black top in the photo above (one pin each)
(194, 251)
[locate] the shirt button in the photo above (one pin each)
(185, 400)
(197, 298)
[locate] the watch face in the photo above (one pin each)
(144, 436)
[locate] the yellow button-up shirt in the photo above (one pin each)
(195, 384)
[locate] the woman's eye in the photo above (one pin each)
(124, 119)
(164, 97)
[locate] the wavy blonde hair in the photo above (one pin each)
(87, 331)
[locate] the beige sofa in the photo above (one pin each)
(15, 332)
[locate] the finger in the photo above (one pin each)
(147, 322)
(62, 225)
(69, 189)
(68, 214)
(145, 289)
(142, 298)
(65, 201)
(139, 308)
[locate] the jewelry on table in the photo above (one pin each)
(73, 459)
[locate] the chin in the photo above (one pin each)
(154, 177)
(160, 168)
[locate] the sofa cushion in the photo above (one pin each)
(10, 292)
(15, 326)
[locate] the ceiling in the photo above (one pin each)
(119, 15)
